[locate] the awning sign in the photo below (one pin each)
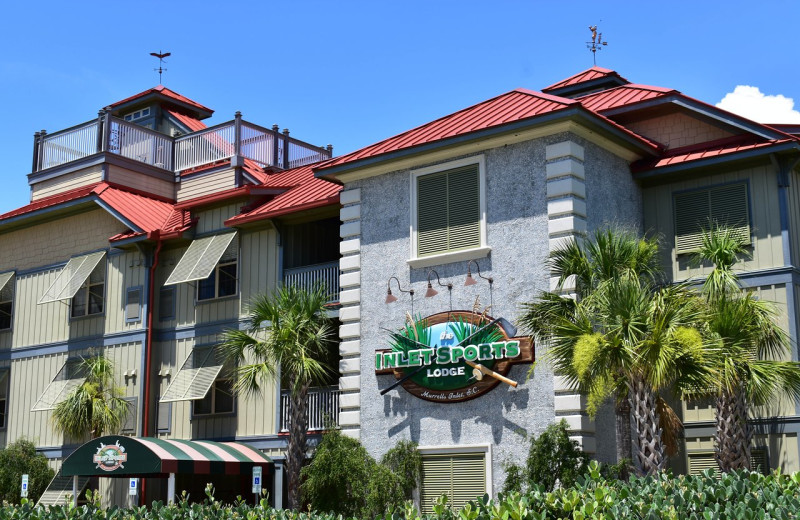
(452, 356)
(110, 457)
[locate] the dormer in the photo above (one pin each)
(162, 110)
(595, 79)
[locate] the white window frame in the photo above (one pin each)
(13, 289)
(481, 251)
(87, 286)
(216, 273)
(486, 449)
(137, 114)
(213, 393)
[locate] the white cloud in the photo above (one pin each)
(753, 104)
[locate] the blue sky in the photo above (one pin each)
(352, 73)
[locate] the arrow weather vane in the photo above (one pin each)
(597, 42)
(161, 61)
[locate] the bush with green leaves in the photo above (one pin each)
(735, 495)
(553, 460)
(343, 478)
(17, 459)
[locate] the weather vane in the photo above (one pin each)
(597, 42)
(161, 61)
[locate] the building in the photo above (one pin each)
(146, 236)
(498, 185)
(147, 233)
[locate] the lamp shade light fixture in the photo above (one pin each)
(431, 291)
(472, 281)
(390, 298)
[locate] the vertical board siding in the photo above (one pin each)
(39, 324)
(141, 182)
(764, 219)
(258, 269)
(794, 214)
(254, 415)
(66, 182)
(214, 219)
(703, 410)
(30, 377)
(124, 271)
(190, 188)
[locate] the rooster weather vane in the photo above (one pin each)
(596, 44)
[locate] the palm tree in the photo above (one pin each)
(608, 255)
(288, 331)
(750, 346)
(96, 406)
(633, 337)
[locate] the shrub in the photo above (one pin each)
(344, 479)
(17, 459)
(337, 477)
(553, 460)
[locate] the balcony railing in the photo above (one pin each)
(310, 276)
(322, 405)
(267, 147)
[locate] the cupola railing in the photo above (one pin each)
(109, 134)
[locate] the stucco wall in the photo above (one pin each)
(517, 232)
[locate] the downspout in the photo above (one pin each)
(148, 360)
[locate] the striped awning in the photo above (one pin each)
(120, 456)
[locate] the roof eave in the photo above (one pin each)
(652, 173)
(568, 90)
(571, 112)
(247, 219)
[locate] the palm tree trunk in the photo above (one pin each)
(649, 448)
(733, 431)
(296, 451)
(622, 412)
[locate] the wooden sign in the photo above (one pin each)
(452, 356)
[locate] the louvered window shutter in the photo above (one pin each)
(449, 213)
(696, 210)
(759, 460)
(462, 477)
(699, 462)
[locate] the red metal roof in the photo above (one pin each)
(54, 200)
(506, 108)
(624, 95)
(146, 213)
(582, 77)
(697, 152)
(308, 192)
(161, 89)
(190, 122)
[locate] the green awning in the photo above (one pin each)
(120, 456)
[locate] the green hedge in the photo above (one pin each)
(706, 497)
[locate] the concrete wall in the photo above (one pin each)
(520, 229)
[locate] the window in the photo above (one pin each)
(164, 420)
(460, 476)
(695, 210)
(218, 400)
(139, 114)
(4, 384)
(133, 304)
(449, 209)
(222, 280)
(89, 298)
(6, 300)
(166, 303)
